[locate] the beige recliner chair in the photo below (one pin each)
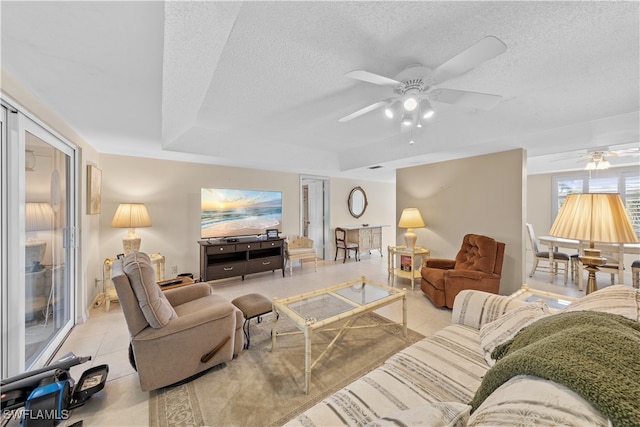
(174, 334)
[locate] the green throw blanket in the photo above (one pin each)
(597, 355)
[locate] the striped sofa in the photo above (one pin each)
(433, 381)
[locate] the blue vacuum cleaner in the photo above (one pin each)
(47, 395)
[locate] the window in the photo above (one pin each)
(625, 181)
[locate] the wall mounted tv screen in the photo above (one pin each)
(227, 212)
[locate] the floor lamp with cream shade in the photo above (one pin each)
(410, 219)
(593, 217)
(131, 216)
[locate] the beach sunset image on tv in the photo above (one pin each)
(227, 212)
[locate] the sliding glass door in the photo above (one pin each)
(39, 216)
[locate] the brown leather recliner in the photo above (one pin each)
(478, 266)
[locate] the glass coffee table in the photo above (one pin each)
(344, 302)
(555, 302)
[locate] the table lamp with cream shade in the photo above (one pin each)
(410, 219)
(38, 216)
(131, 216)
(593, 217)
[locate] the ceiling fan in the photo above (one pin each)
(597, 159)
(415, 86)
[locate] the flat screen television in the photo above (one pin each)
(230, 213)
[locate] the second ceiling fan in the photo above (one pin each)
(415, 86)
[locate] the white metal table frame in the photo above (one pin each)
(394, 271)
(308, 325)
(557, 242)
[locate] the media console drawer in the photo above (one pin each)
(264, 264)
(219, 249)
(224, 270)
(247, 246)
(271, 244)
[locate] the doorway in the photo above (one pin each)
(38, 224)
(314, 212)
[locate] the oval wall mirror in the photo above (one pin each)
(357, 202)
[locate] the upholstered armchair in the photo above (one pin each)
(478, 265)
(174, 334)
(299, 248)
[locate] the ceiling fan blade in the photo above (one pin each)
(630, 152)
(362, 111)
(481, 101)
(483, 50)
(376, 79)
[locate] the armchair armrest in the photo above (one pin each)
(211, 313)
(469, 274)
(443, 264)
(475, 308)
(188, 293)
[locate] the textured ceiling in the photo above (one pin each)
(262, 85)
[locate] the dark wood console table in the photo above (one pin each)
(220, 259)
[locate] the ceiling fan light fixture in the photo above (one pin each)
(410, 103)
(388, 112)
(426, 109)
(591, 165)
(603, 164)
(407, 119)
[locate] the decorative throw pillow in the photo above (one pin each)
(153, 303)
(529, 401)
(616, 299)
(438, 414)
(505, 327)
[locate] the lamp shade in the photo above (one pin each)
(594, 217)
(411, 218)
(131, 215)
(38, 216)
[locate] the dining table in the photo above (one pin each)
(620, 249)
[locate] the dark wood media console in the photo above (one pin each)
(221, 259)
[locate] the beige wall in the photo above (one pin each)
(171, 192)
(482, 195)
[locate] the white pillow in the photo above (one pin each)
(438, 414)
(616, 299)
(532, 401)
(505, 327)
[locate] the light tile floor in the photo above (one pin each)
(105, 337)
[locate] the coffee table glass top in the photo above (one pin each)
(319, 307)
(552, 300)
(336, 300)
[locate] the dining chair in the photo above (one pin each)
(612, 265)
(342, 243)
(635, 273)
(558, 257)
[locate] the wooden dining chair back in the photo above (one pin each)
(346, 246)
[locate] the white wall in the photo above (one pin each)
(481, 195)
(171, 192)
